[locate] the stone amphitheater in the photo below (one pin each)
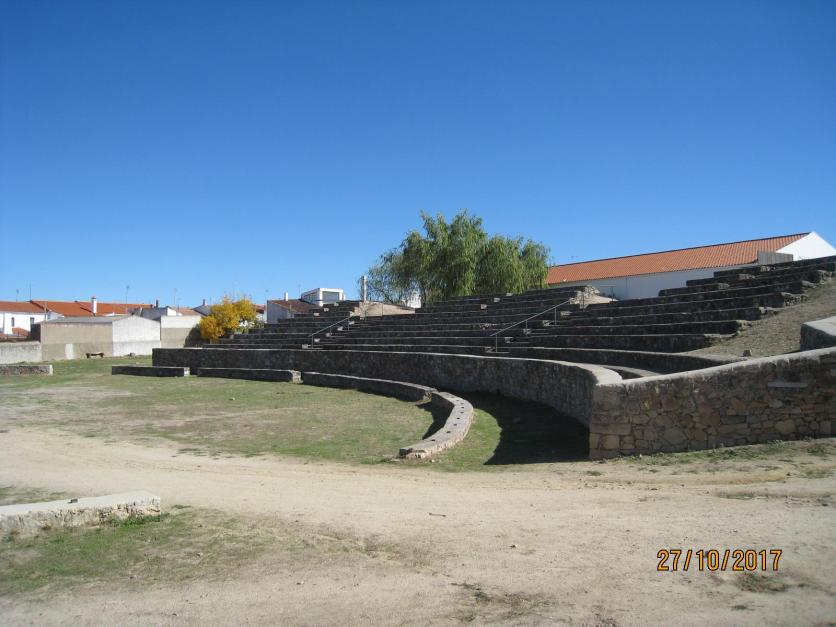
(625, 369)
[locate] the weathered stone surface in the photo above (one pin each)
(31, 518)
(783, 397)
(818, 334)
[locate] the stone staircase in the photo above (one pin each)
(677, 320)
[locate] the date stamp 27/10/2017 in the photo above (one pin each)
(734, 560)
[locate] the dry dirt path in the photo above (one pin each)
(545, 545)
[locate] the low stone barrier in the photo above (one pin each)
(453, 431)
(397, 389)
(23, 369)
(254, 374)
(151, 371)
(31, 518)
(16, 352)
(785, 397)
(818, 334)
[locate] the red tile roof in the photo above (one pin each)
(85, 308)
(17, 306)
(715, 256)
(295, 305)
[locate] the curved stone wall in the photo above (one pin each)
(566, 387)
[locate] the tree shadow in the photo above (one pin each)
(532, 433)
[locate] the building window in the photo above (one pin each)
(13, 322)
(31, 321)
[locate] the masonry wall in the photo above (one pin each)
(16, 352)
(564, 386)
(760, 400)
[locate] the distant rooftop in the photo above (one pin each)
(713, 256)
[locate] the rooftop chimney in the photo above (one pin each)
(204, 302)
(157, 303)
(93, 305)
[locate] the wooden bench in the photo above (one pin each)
(89, 355)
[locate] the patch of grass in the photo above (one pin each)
(184, 544)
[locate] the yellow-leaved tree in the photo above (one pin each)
(227, 316)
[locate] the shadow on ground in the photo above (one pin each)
(530, 433)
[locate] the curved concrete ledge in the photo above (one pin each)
(454, 430)
(818, 334)
(252, 374)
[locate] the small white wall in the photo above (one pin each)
(134, 334)
(276, 312)
(811, 246)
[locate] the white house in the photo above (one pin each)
(17, 317)
(323, 296)
(642, 276)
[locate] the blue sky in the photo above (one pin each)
(219, 147)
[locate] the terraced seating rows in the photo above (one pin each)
(679, 319)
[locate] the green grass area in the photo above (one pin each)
(235, 417)
(182, 545)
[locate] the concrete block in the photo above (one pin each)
(31, 518)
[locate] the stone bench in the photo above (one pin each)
(151, 371)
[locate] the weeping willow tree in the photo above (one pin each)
(456, 258)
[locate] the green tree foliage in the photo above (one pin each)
(456, 258)
(227, 316)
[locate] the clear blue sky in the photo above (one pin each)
(217, 146)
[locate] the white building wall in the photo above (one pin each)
(645, 285)
(20, 319)
(810, 246)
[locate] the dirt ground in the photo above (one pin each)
(563, 543)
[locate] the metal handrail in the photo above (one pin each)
(519, 322)
(310, 337)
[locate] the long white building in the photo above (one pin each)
(642, 276)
